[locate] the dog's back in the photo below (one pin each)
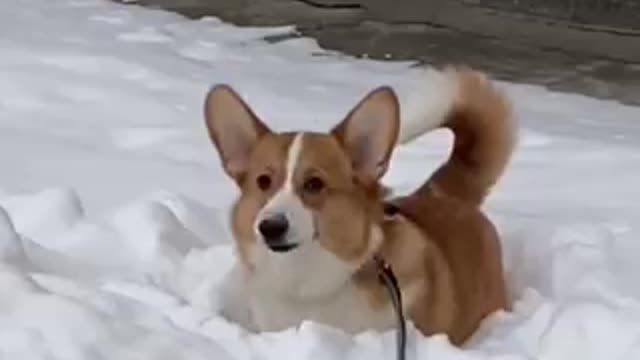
(447, 206)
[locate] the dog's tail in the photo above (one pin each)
(481, 120)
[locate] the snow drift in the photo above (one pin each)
(113, 234)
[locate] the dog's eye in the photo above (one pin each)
(313, 185)
(264, 182)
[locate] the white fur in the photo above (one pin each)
(424, 106)
(307, 284)
(308, 270)
(287, 202)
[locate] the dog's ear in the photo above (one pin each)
(233, 128)
(369, 133)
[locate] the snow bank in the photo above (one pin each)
(113, 236)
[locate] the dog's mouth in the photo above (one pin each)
(289, 243)
(282, 248)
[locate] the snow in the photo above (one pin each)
(113, 205)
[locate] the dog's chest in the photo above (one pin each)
(347, 310)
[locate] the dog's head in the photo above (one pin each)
(310, 202)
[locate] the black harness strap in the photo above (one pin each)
(386, 276)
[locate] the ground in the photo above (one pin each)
(113, 204)
(557, 57)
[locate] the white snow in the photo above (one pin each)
(113, 233)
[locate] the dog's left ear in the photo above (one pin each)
(369, 133)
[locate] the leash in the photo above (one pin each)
(390, 282)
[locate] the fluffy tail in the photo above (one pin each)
(484, 130)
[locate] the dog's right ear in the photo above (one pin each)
(233, 128)
(369, 133)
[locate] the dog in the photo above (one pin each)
(311, 213)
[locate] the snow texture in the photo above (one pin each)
(113, 204)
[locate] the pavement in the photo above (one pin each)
(349, 30)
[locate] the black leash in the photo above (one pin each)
(386, 276)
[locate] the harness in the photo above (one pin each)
(388, 279)
(390, 282)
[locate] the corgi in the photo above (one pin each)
(311, 213)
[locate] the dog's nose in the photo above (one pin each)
(273, 229)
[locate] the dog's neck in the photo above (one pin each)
(368, 273)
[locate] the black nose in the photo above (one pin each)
(273, 229)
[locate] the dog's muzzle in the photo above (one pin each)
(274, 230)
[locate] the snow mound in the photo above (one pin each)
(114, 207)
